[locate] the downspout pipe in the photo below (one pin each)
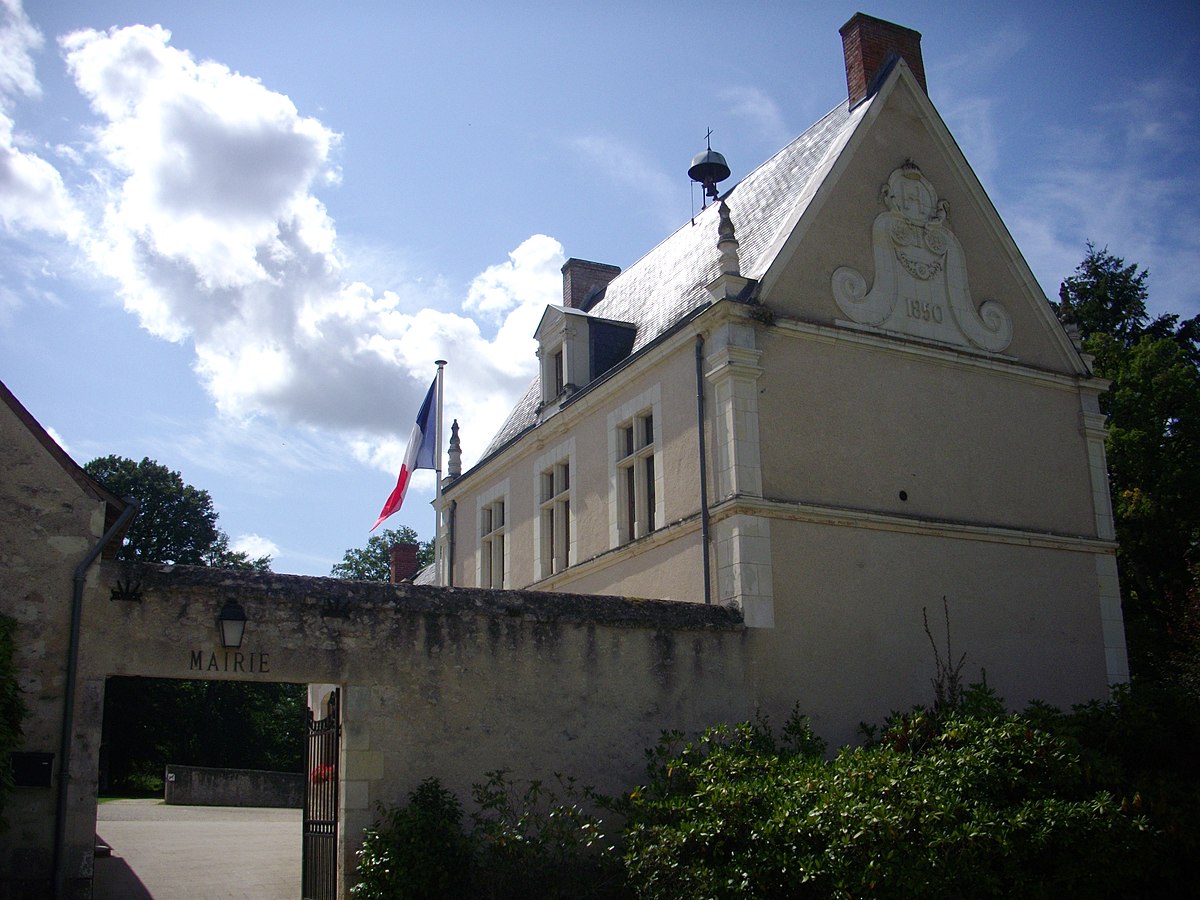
(450, 544)
(704, 533)
(68, 719)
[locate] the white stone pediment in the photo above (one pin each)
(920, 284)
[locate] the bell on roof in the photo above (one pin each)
(708, 168)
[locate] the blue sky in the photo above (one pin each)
(235, 236)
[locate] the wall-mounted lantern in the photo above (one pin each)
(231, 620)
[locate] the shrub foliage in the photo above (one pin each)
(961, 801)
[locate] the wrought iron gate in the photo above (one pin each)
(320, 849)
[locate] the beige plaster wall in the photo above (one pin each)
(851, 424)
(848, 613)
(47, 527)
(672, 370)
(666, 566)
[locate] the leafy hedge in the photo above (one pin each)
(536, 842)
(961, 807)
(966, 801)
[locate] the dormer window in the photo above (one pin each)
(576, 348)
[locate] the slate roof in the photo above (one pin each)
(671, 280)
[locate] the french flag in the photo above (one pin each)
(420, 454)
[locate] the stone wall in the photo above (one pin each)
(48, 525)
(438, 682)
(203, 786)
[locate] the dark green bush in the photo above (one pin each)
(416, 851)
(536, 842)
(962, 801)
(542, 842)
(939, 806)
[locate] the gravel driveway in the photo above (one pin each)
(197, 852)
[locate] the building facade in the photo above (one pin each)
(832, 399)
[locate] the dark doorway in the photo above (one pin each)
(150, 722)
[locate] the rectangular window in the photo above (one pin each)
(491, 545)
(555, 504)
(635, 477)
(560, 380)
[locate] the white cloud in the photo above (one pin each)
(32, 194)
(991, 50)
(958, 81)
(500, 288)
(58, 439)
(210, 227)
(760, 112)
(18, 39)
(254, 546)
(628, 167)
(1115, 177)
(972, 120)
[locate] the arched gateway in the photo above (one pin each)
(434, 681)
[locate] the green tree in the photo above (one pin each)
(1153, 409)
(175, 522)
(372, 562)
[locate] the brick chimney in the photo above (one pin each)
(402, 562)
(583, 281)
(868, 45)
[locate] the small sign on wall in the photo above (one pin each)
(229, 661)
(31, 769)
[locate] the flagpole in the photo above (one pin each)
(437, 453)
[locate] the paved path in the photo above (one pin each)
(162, 852)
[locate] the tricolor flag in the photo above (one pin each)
(420, 454)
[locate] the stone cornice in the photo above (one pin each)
(799, 511)
(905, 345)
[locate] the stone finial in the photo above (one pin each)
(1074, 334)
(730, 284)
(727, 242)
(454, 457)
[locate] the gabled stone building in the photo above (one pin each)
(55, 523)
(834, 397)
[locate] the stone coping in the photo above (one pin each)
(336, 597)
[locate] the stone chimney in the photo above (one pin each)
(402, 562)
(869, 44)
(583, 282)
